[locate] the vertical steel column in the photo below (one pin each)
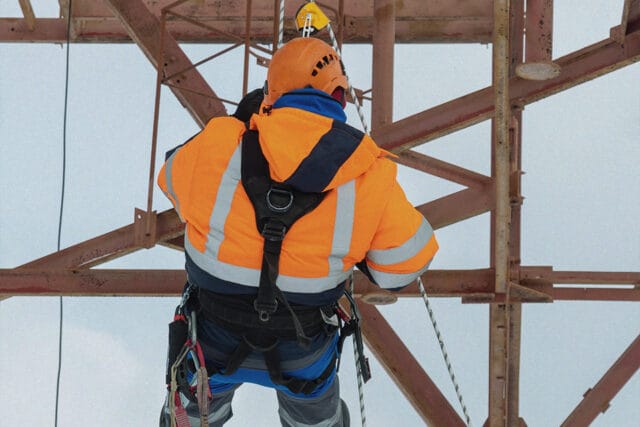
(247, 47)
(515, 198)
(501, 124)
(499, 313)
(539, 30)
(515, 309)
(154, 134)
(383, 52)
(340, 23)
(539, 42)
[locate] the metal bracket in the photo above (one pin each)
(144, 228)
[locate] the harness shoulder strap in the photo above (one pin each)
(277, 207)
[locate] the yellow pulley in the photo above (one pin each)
(310, 19)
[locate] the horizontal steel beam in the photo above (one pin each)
(547, 274)
(108, 282)
(442, 169)
(474, 286)
(92, 282)
(108, 246)
(598, 294)
(357, 30)
(458, 206)
(578, 67)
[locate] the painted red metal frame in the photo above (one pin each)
(68, 272)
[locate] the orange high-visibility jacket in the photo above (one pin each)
(364, 215)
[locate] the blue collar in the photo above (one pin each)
(314, 101)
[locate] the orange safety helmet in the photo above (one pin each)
(304, 62)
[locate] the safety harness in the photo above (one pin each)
(260, 321)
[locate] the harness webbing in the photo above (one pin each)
(277, 206)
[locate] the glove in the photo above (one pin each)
(249, 105)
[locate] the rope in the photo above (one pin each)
(64, 168)
(281, 28)
(352, 91)
(443, 350)
(363, 415)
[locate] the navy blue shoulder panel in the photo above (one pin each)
(317, 170)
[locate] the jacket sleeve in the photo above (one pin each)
(188, 176)
(176, 174)
(403, 245)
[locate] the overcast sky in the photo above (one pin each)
(580, 155)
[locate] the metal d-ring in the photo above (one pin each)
(278, 191)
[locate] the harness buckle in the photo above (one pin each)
(265, 309)
(274, 231)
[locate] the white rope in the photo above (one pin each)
(352, 91)
(443, 350)
(281, 28)
(306, 32)
(363, 414)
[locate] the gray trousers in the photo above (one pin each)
(326, 410)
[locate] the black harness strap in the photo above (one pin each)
(296, 385)
(236, 313)
(277, 206)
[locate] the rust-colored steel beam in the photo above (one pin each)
(416, 21)
(547, 274)
(597, 399)
(92, 282)
(51, 30)
(474, 286)
(190, 87)
(357, 30)
(516, 27)
(597, 294)
(382, 58)
(405, 370)
(501, 145)
(578, 67)
(539, 30)
(544, 279)
(437, 283)
(51, 279)
(29, 16)
(108, 246)
(458, 206)
(630, 20)
(442, 169)
(500, 321)
(538, 63)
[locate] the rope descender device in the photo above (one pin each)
(310, 19)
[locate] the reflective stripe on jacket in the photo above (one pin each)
(364, 215)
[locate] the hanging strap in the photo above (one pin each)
(277, 206)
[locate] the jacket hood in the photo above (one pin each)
(308, 144)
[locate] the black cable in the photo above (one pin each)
(64, 169)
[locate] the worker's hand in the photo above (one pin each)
(249, 104)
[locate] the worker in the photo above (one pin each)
(266, 281)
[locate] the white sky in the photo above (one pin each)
(580, 156)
